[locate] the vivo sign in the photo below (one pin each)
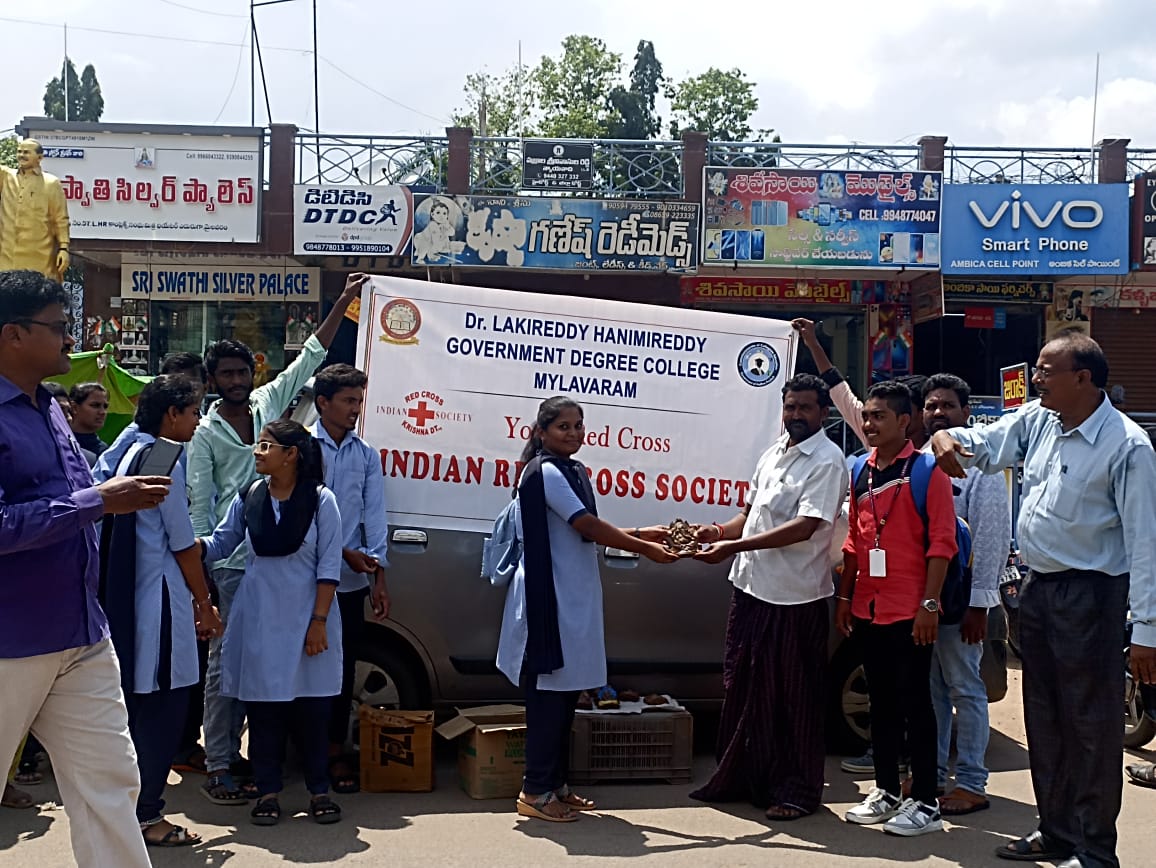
(1036, 229)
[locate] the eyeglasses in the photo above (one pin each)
(263, 446)
(62, 328)
(1044, 373)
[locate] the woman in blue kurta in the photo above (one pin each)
(281, 654)
(157, 602)
(552, 640)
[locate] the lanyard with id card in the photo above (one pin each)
(877, 557)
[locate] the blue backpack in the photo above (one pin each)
(955, 597)
(502, 549)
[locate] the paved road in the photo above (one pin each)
(643, 824)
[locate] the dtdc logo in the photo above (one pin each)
(759, 364)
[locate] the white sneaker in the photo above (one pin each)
(879, 807)
(915, 818)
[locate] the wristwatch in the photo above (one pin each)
(930, 606)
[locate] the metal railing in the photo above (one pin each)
(1140, 161)
(621, 167)
(978, 165)
(371, 160)
(763, 155)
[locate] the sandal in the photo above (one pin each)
(785, 813)
(220, 790)
(1033, 848)
(324, 810)
(176, 836)
(192, 762)
(342, 777)
(571, 800)
(267, 812)
(16, 798)
(27, 774)
(960, 801)
(1143, 774)
(537, 806)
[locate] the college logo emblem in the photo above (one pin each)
(758, 364)
(400, 320)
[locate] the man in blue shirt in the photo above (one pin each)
(59, 671)
(353, 473)
(1085, 530)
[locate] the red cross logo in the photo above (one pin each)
(420, 414)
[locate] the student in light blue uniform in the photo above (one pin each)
(158, 601)
(552, 642)
(353, 473)
(281, 653)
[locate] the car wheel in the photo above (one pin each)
(1139, 728)
(848, 705)
(384, 678)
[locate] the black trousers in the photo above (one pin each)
(899, 684)
(155, 721)
(195, 716)
(306, 720)
(1072, 629)
(352, 606)
(549, 719)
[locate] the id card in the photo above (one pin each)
(878, 563)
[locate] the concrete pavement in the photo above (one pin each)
(642, 824)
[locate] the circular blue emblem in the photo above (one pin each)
(758, 364)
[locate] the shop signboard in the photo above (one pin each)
(821, 218)
(126, 183)
(352, 220)
(1145, 200)
(927, 299)
(1031, 229)
(271, 279)
(619, 235)
(789, 290)
(985, 409)
(1024, 291)
(549, 164)
(680, 403)
(1014, 382)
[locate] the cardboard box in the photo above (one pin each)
(396, 750)
(491, 749)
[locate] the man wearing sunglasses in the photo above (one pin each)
(1089, 494)
(59, 671)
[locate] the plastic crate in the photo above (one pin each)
(655, 745)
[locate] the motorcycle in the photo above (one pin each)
(1010, 584)
(1139, 705)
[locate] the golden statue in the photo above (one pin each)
(33, 216)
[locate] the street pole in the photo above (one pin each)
(316, 95)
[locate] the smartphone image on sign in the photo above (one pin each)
(162, 458)
(758, 245)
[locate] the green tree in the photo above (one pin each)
(718, 103)
(498, 105)
(85, 102)
(8, 151)
(634, 106)
(574, 90)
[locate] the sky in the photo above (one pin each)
(982, 72)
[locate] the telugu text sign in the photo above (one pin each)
(352, 220)
(679, 404)
(157, 187)
(549, 164)
(804, 217)
(555, 233)
(787, 290)
(1014, 383)
(1035, 229)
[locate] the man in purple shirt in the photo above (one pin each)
(60, 674)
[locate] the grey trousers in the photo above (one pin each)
(1072, 629)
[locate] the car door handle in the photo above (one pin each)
(621, 553)
(410, 537)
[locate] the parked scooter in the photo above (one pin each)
(1139, 705)
(1010, 585)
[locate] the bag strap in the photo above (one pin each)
(921, 470)
(857, 463)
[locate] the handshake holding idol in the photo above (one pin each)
(681, 539)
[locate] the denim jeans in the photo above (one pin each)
(224, 716)
(956, 682)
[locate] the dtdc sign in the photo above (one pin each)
(1035, 229)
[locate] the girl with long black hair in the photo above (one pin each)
(552, 640)
(281, 654)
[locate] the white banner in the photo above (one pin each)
(360, 220)
(679, 404)
(156, 187)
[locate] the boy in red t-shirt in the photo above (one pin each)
(893, 570)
